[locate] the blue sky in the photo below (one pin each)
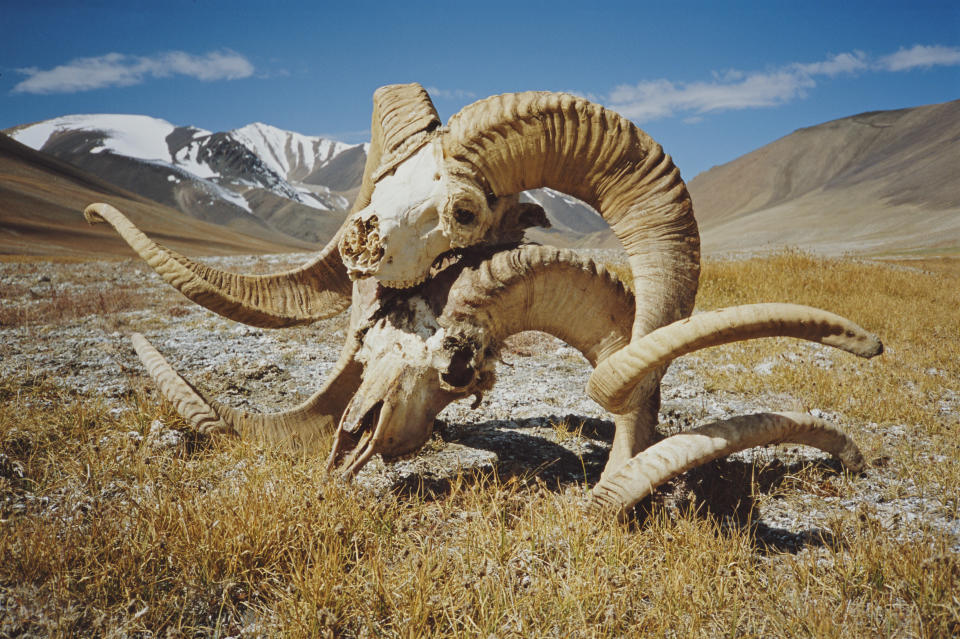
(708, 80)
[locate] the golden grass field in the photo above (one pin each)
(228, 539)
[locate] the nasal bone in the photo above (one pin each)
(361, 245)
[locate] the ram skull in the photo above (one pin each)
(435, 217)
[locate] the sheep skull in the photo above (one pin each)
(413, 368)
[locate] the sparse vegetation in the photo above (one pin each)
(107, 527)
(57, 307)
(914, 309)
(30, 296)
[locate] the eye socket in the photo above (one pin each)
(460, 373)
(464, 216)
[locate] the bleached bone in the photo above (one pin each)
(434, 205)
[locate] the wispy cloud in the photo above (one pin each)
(120, 70)
(451, 94)
(837, 65)
(663, 98)
(734, 89)
(920, 56)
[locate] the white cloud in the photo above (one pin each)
(216, 65)
(920, 56)
(840, 63)
(119, 70)
(734, 89)
(451, 94)
(662, 98)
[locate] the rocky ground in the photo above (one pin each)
(71, 323)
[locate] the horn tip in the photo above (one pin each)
(92, 213)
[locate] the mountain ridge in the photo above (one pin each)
(213, 176)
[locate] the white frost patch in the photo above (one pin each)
(311, 200)
(230, 196)
(537, 196)
(765, 367)
(186, 159)
(161, 437)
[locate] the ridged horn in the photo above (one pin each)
(545, 289)
(510, 143)
(319, 288)
(614, 380)
(678, 453)
(300, 428)
(404, 119)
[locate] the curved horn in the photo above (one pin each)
(556, 291)
(299, 428)
(510, 143)
(676, 454)
(403, 120)
(537, 288)
(318, 289)
(614, 380)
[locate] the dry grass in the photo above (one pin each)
(57, 307)
(32, 293)
(915, 311)
(104, 534)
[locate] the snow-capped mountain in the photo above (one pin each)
(298, 157)
(297, 184)
(280, 176)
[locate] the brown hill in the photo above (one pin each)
(41, 204)
(879, 182)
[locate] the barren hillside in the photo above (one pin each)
(872, 183)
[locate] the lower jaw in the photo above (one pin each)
(357, 460)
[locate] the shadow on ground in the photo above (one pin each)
(536, 451)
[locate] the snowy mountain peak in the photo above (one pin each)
(287, 153)
(137, 136)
